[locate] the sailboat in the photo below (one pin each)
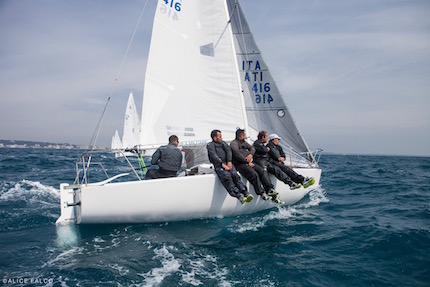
(204, 72)
(116, 141)
(131, 130)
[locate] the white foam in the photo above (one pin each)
(170, 265)
(122, 270)
(316, 197)
(265, 283)
(65, 259)
(98, 239)
(101, 244)
(115, 242)
(256, 223)
(205, 267)
(189, 278)
(66, 235)
(190, 270)
(32, 191)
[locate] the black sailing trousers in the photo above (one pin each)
(297, 178)
(257, 176)
(231, 181)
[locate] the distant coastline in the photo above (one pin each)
(44, 145)
(48, 145)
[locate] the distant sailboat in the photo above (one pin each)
(212, 77)
(116, 141)
(131, 130)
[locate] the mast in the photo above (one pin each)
(236, 65)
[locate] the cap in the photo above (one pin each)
(274, 136)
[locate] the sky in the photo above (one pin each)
(355, 74)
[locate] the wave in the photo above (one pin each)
(27, 204)
(316, 197)
(65, 259)
(192, 269)
(29, 191)
(169, 263)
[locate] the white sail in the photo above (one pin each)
(131, 132)
(116, 141)
(265, 107)
(191, 84)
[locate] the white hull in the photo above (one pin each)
(163, 200)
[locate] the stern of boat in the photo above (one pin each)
(70, 203)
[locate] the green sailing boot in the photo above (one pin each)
(278, 200)
(308, 182)
(295, 186)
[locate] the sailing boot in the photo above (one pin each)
(264, 196)
(242, 199)
(308, 182)
(273, 193)
(278, 200)
(249, 197)
(295, 186)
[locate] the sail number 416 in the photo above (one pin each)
(258, 87)
(263, 99)
(173, 4)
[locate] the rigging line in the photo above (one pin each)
(99, 125)
(226, 26)
(232, 12)
(242, 32)
(200, 151)
(128, 48)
